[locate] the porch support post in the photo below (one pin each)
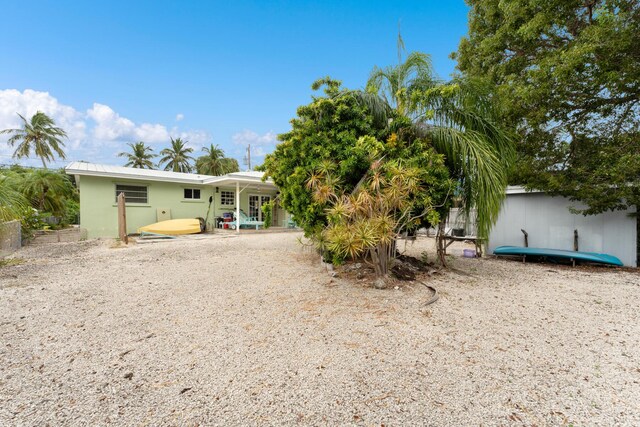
(238, 207)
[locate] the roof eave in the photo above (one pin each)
(82, 172)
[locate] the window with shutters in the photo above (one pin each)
(133, 193)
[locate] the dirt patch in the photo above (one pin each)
(253, 330)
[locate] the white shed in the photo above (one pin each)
(550, 224)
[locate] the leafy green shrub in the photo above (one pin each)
(72, 213)
(267, 212)
(30, 220)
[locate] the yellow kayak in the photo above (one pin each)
(174, 227)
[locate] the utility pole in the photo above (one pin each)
(247, 158)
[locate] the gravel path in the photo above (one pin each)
(251, 330)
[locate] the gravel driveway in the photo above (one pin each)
(251, 330)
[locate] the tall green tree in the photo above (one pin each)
(177, 157)
(567, 74)
(230, 165)
(324, 131)
(39, 135)
(140, 157)
(214, 162)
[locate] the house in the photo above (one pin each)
(153, 195)
(550, 223)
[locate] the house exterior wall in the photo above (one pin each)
(98, 208)
(550, 224)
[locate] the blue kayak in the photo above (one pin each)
(558, 254)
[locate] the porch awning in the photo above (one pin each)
(249, 180)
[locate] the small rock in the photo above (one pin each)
(380, 283)
(128, 375)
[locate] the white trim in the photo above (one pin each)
(518, 189)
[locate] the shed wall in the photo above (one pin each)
(550, 224)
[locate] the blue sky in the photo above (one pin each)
(231, 73)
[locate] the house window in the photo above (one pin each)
(227, 198)
(192, 193)
(133, 193)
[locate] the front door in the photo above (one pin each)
(255, 206)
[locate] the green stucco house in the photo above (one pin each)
(153, 196)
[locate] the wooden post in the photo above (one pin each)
(122, 219)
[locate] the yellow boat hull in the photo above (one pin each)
(173, 227)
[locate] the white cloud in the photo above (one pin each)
(29, 102)
(179, 117)
(111, 126)
(94, 134)
(149, 132)
(250, 137)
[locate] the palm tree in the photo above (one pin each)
(47, 190)
(177, 157)
(460, 119)
(140, 156)
(394, 84)
(40, 135)
(211, 162)
(215, 163)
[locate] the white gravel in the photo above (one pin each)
(251, 330)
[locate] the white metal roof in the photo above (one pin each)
(518, 189)
(108, 171)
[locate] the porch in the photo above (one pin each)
(238, 200)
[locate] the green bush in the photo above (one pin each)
(72, 212)
(30, 220)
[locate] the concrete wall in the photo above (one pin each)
(550, 224)
(98, 208)
(10, 237)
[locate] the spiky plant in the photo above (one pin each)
(366, 222)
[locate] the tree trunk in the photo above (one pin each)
(42, 199)
(381, 257)
(440, 244)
